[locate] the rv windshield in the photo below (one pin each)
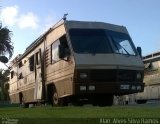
(121, 43)
(96, 41)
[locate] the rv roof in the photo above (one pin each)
(95, 25)
(75, 24)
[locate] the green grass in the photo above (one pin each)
(80, 113)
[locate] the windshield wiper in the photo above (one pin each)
(119, 45)
(124, 49)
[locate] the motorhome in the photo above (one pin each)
(77, 62)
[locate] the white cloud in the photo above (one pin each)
(11, 17)
(28, 20)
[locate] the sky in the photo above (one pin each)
(28, 19)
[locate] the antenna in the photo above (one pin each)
(65, 16)
(62, 19)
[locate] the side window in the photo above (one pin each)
(20, 76)
(64, 43)
(37, 58)
(12, 74)
(31, 63)
(20, 64)
(54, 52)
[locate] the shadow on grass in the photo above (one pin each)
(6, 105)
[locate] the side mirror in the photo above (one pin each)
(61, 51)
(139, 51)
(3, 59)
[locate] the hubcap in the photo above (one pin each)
(55, 98)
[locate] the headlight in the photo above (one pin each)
(133, 87)
(139, 87)
(124, 87)
(83, 75)
(83, 88)
(139, 76)
(91, 88)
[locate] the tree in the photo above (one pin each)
(6, 46)
(4, 86)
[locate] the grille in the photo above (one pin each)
(108, 75)
(103, 75)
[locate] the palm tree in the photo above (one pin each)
(6, 46)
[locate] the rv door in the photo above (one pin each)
(38, 76)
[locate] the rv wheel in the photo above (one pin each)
(141, 101)
(23, 104)
(58, 101)
(55, 99)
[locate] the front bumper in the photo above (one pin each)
(108, 88)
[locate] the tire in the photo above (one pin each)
(141, 101)
(26, 105)
(22, 102)
(56, 101)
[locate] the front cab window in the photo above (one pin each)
(101, 41)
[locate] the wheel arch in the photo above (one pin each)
(50, 88)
